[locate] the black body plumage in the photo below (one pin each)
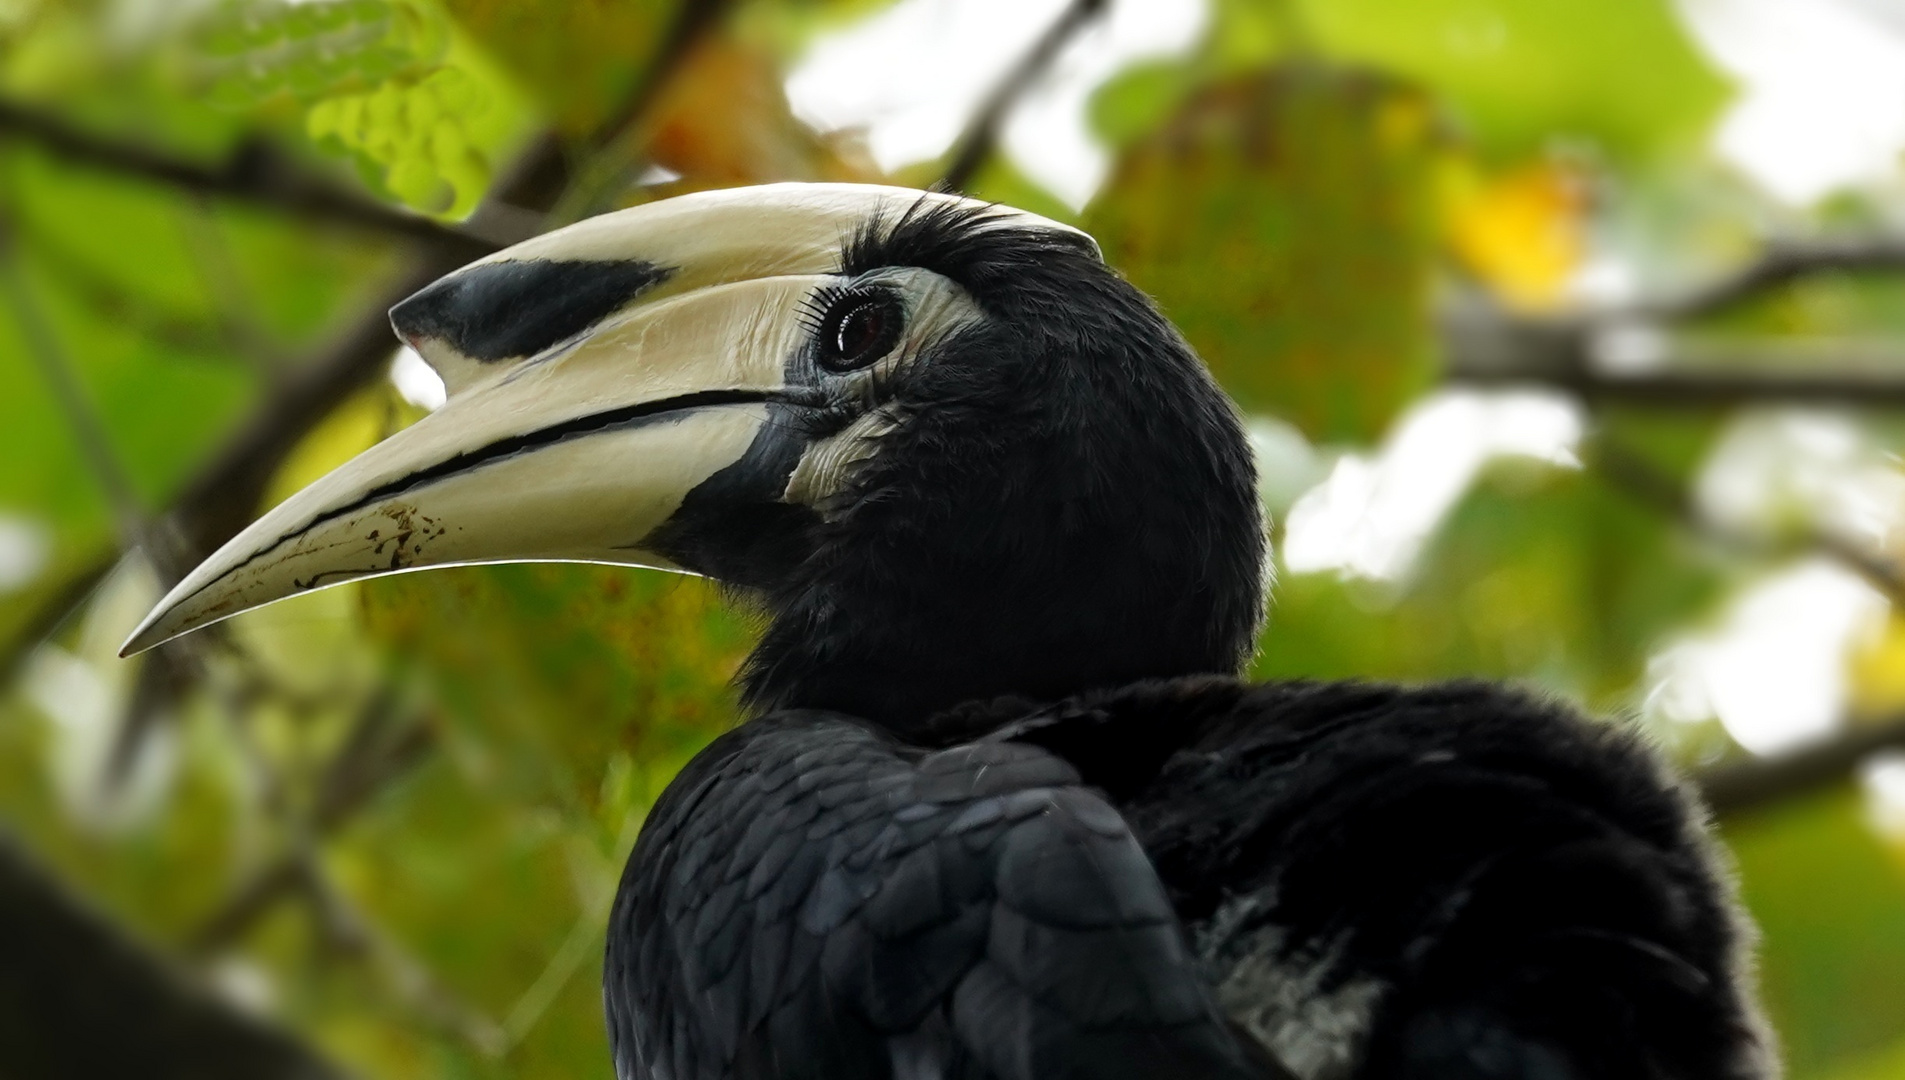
(1002, 812)
(821, 900)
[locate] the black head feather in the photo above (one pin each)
(1068, 501)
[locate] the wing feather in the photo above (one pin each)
(814, 899)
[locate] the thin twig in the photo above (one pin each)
(53, 613)
(1747, 785)
(583, 942)
(416, 987)
(1778, 264)
(347, 931)
(1744, 786)
(371, 757)
(1487, 346)
(976, 143)
(584, 937)
(245, 906)
(1630, 473)
(48, 353)
(225, 288)
(612, 153)
(1696, 389)
(164, 674)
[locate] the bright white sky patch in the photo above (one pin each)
(1883, 777)
(244, 984)
(1816, 467)
(1372, 516)
(416, 380)
(1774, 673)
(1287, 465)
(657, 174)
(83, 693)
(913, 75)
(25, 546)
(1774, 670)
(1822, 90)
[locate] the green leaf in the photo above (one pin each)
(1521, 73)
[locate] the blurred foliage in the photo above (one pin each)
(577, 58)
(454, 765)
(1282, 220)
(725, 122)
(1539, 576)
(1621, 73)
(1830, 900)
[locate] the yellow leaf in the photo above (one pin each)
(1522, 232)
(1878, 671)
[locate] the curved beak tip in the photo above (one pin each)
(173, 616)
(144, 636)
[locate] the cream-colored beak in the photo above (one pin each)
(579, 418)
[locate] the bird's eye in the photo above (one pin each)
(859, 329)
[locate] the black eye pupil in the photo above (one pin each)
(863, 329)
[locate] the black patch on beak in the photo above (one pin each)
(496, 311)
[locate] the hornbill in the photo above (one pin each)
(1002, 807)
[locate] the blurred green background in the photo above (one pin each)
(1572, 338)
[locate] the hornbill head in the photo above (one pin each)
(951, 453)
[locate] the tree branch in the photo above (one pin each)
(1778, 264)
(79, 998)
(1485, 345)
(254, 173)
(1742, 787)
(1697, 389)
(976, 143)
(52, 613)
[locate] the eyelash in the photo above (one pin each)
(814, 309)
